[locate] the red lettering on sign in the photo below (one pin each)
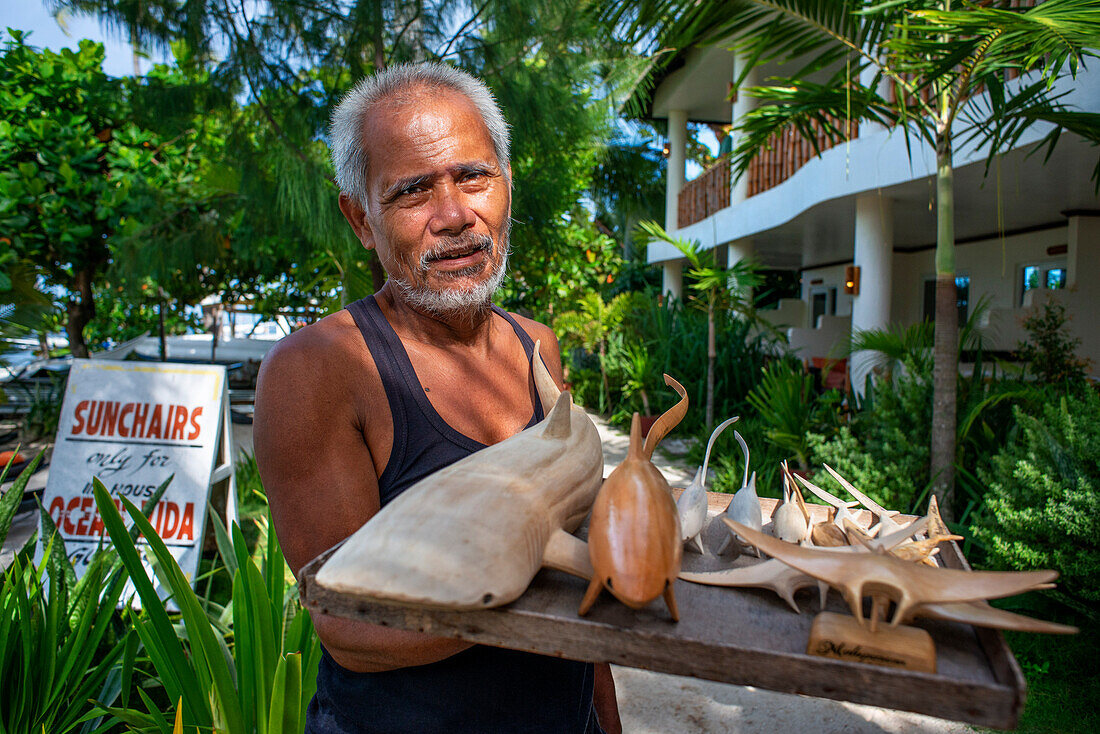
(123, 430)
(187, 524)
(86, 503)
(179, 422)
(154, 422)
(67, 517)
(110, 418)
(141, 412)
(95, 527)
(78, 416)
(57, 510)
(95, 417)
(195, 424)
(171, 520)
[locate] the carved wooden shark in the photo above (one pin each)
(474, 534)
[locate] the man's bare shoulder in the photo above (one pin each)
(536, 330)
(332, 336)
(330, 347)
(548, 348)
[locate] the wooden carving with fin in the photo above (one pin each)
(908, 585)
(473, 534)
(634, 537)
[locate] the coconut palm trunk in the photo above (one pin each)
(946, 342)
(712, 354)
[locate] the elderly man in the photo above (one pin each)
(353, 410)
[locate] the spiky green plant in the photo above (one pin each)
(58, 647)
(261, 679)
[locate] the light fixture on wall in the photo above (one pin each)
(666, 151)
(851, 280)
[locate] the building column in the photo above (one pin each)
(874, 255)
(672, 279)
(677, 162)
(742, 105)
(739, 250)
(1083, 250)
(1082, 269)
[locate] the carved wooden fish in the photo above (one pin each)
(474, 534)
(634, 535)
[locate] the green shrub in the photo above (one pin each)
(249, 667)
(884, 449)
(1050, 352)
(1043, 502)
(785, 401)
(60, 646)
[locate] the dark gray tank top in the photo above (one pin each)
(482, 689)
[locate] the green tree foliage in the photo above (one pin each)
(1043, 501)
(716, 287)
(82, 184)
(121, 316)
(785, 402)
(883, 450)
(290, 61)
(589, 326)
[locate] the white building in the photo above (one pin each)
(1030, 227)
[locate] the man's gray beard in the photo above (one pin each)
(448, 301)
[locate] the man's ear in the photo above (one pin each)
(357, 217)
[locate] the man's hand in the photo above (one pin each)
(605, 700)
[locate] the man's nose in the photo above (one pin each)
(452, 215)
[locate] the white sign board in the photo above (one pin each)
(132, 425)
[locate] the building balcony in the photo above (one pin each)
(781, 158)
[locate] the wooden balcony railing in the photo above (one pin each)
(787, 152)
(704, 195)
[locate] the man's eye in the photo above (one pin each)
(411, 190)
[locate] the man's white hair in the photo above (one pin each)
(349, 150)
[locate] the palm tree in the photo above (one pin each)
(961, 73)
(589, 326)
(718, 287)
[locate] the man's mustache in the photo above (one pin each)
(451, 246)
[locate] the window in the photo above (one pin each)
(1037, 276)
(1056, 279)
(962, 294)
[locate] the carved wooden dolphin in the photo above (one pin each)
(634, 538)
(473, 534)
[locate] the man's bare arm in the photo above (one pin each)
(321, 479)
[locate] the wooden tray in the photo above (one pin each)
(744, 636)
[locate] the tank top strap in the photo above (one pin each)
(528, 347)
(386, 351)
